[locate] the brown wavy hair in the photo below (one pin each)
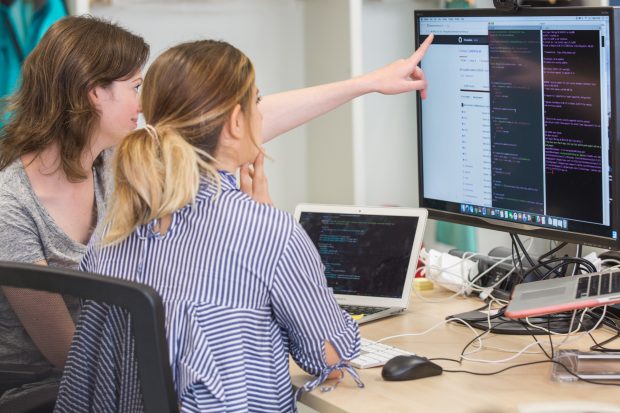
(52, 104)
(188, 95)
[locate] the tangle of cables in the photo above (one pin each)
(526, 268)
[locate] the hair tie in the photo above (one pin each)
(150, 129)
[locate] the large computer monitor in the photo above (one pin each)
(519, 130)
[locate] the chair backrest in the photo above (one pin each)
(143, 304)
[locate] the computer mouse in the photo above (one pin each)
(411, 367)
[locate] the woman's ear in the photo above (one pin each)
(97, 95)
(236, 123)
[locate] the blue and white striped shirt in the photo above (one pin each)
(243, 286)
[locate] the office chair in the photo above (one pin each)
(142, 303)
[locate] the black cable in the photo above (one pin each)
(484, 332)
(482, 324)
(516, 240)
(599, 346)
(552, 251)
(610, 322)
(476, 373)
(530, 364)
(477, 337)
(516, 261)
(517, 244)
(525, 253)
(573, 260)
(556, 249)
(566, 260)
(553, 270)
(550, 359)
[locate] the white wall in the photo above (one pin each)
(270, 32)
(329, 58)
(390, 129)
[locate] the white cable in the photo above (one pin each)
(504, 350)
(442, 322)
(522, 351)
(555, 333)
(480, 345)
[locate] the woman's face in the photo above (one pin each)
(119, 108)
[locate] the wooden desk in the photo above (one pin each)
(452, 392)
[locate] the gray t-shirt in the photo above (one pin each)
(29, 234)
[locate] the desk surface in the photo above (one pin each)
(453, 392)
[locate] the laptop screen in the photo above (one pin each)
(365, 255)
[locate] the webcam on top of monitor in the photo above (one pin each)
(506, 5)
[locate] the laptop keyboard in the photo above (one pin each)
(359, 310)
(598, 284)
(373, 354)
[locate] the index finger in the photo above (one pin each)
(259, 163)
(419, 54)
(245, 181)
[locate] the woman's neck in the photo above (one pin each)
(47, 162)
(226, 163)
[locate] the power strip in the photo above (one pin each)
(450, 272)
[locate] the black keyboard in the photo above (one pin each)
(356, 309)
(598, 284)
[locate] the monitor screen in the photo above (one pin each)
(518, 131)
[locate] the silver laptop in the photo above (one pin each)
(370, 254)
(564, 294)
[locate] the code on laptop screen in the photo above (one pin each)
(364, 255)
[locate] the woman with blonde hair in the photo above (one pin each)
(242, 284)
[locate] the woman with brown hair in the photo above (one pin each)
(79, 97)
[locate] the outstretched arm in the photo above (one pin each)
(287, 110)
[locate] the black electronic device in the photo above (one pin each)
(506, 5)
(610, 255)
(410, 367)
(519, 131)
(499, 324)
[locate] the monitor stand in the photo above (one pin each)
(569, 250)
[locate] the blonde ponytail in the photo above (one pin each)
(188, 95)
(156, 172)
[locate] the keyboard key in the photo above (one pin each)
(582, 287)
(373, 354)
(593, 285)
(615, 283)
(604, 283)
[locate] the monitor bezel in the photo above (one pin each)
(520, 228)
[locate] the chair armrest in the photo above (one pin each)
(15, 375)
